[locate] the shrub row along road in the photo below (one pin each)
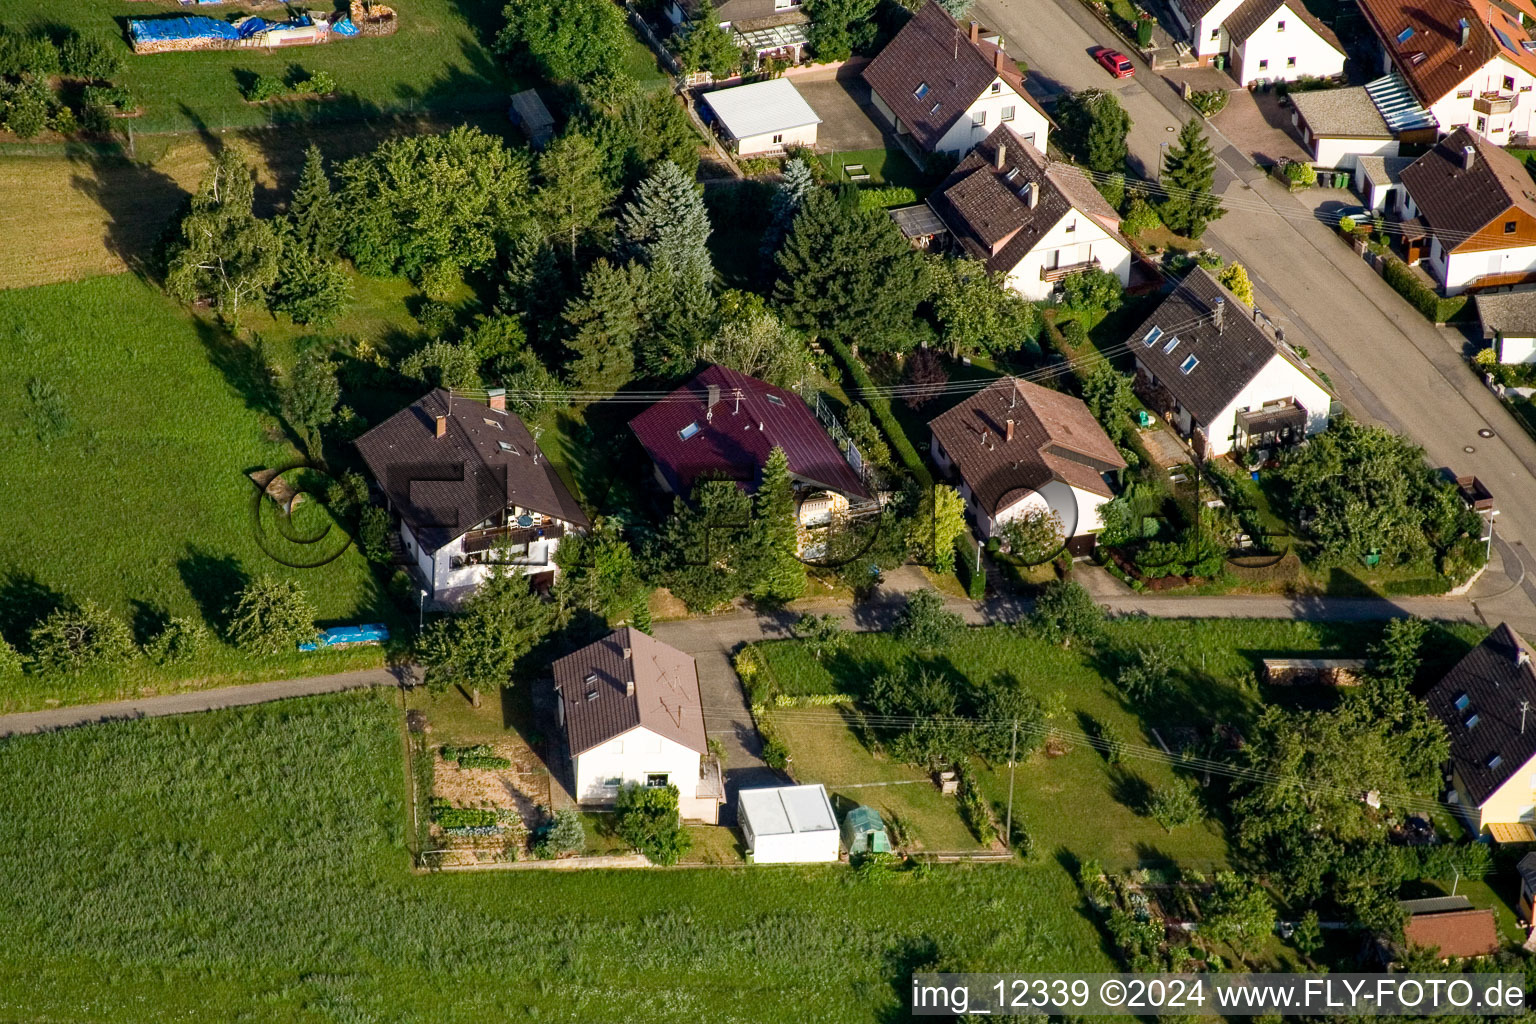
(1387, 364)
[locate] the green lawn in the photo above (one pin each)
(437, 61)
(142, 503)
(250, 865)
(884, 166)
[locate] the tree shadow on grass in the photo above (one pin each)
(214, 581)
(141, 203)
(1128, 788)
(910, 955)
(148, 620)
(24, 602)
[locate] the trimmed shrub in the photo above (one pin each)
(70, 640)
(180, 640)
(1420, 295)
(966, 567)
(881, 407)
(886, 197)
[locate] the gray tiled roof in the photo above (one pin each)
(1511, 313)
(1493, 679)
(593, 685)
(1341, 113)
(1229, 357)
(485, 461)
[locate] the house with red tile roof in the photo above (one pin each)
(1471, 63)
(723, 424)
(944, 86)
(1016, 447)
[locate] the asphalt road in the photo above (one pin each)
(1387, 364)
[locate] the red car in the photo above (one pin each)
(1115, 62)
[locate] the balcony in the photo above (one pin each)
(1068, 269)
(517, 537)
(1494, 103)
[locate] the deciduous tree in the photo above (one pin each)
(565, 40)
(310, 394)
(1092, 291)
(271, 616)
(932, 532)
(706, 46)
(75, 639)
(573, 193)
(926, 623)
(1235, 277)
(753, 340)
(977, 312)
(1095, 126)
(647, 819)
(1109, 396)
(480, 646)
(224, 251)
(925, 377)
(1067, 613)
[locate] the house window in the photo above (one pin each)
(775, 400)
(1464, 94)
(1495, 760)
(1071, 227)
(1152, 336)
(1462, 702)
(1482, 124)
(1290, 62)
(656, 780)
(1280, 25)
(688, 431)
(1263, 65)
(508, 448)
(778, 138)
(1509, 227)
(1172, 344)
(979, 118)
(997, 87)
(1471, 720)
(920, 91)
(1215, 34)
(1509, 84)
(1007, 113)
(613, 783)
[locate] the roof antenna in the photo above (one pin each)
(1525, 706)
(737, 396)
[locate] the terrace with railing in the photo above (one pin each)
(1068, 269)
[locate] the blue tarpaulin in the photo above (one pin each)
(371, 633)
(189, 26)
(344, 27)
(251, 26)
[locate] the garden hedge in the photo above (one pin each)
(880, 405)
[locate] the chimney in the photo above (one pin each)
(976, 31)
(1002, 156)
(1522, 657)
(1466, 30)
(496, 398)
(626, 653)
(1257, 316)
(1032, 195)
(1009, 437)
(629, 687)
(759, 426)
(712, 397)
(999, 61)
(1468, 157)
(442, 425)
(1216, 314)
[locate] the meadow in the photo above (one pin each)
(251, 865)
(1216, 665)
(129, 487)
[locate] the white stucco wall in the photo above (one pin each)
(1277, 380)
(1516, 350)
(775, 141)
(1342, 153)
(1380, 195)
(1515, 801)
(1087, 520)
(1075, 238)
(1208, 37)
(1027, 122)
(1277, 54)
(437, 566)
(1454, 109)
(1456, 270)
(632, 757)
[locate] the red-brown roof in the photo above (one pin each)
(1055, 437)
(933, 54)
(600, 704)
(1423, 38)
(687, 439)
(1456, 933)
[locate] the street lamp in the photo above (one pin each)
(1162, 149)
(421, 609)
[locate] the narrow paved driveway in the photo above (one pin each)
(201, 700)
(1387, 364)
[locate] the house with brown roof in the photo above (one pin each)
(1223, 378)
(630, 710)
(1016, 448)
(471, 489)
(1263, 40)
(943, 86)
(1032, 219)
(723, 424)
(1451, 926)
(1477, 205)
(1482, 703)
(1471, 63)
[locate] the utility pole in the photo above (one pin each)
(1013, 749)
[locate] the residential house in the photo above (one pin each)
(1338, 126)
(1471, 63)
(724, 424)
(1379, 181)
(1207, 363)
(1477, 205)
(1016, 447)
(1525, 907)
(764, 117)
(1263, 40)
(943, 87)
(1488, 705)
(788, 825)
(630, 710)
(1508, 320)
(769, 29)
(1450, 925)
(1032, 219)
(471, 488)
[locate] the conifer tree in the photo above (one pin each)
(1189, 172)
(312, 213)
(666, 227)
(573, 193)
(798, 184)
(779, 574)
(608, 318)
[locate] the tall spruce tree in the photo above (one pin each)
(666, 227)
(778, 574)
(573, 192)
(798, 183)
(848, 273)
(1189, 172)
(608, 318)
(313, 216)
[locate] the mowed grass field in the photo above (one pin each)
(251, 865)
(1217, 662)
(142, 503)
(438, 60)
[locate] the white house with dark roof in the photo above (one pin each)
(1508, 319)
(944, 86)
(1264, 40)
(630, 710)
(1220, 377)
(1029, 218)
(472, 489)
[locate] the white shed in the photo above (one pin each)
(788, 825)
(763, 117)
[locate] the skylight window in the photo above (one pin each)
(1152, 336)
(775, 399)
(689, 430)
(1189, 364)
(493, 423)
(1462, 702)
(1172, 344)
(920, 91)
(1495, 760)
(1472, 720)
(1013, 172)
(933, 109)
(1405, 35)
(506, 447)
